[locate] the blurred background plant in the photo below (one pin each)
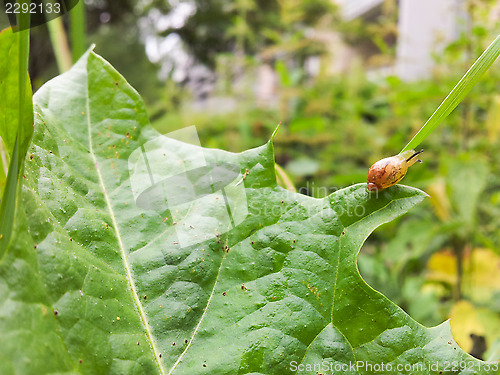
(331, 73)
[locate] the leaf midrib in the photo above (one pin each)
(123, 253)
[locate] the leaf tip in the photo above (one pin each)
(275, 131)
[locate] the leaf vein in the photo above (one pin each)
(126, 264)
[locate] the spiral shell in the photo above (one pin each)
(389, 171)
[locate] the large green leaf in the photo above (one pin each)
(249, 279)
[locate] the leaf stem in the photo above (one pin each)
(11, 192)
(284, 178)
(60, 44)
(77, 30)
(24, 51)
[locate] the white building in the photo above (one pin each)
(425, 28)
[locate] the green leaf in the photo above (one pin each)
(16, 121)
(9, 94)
(77, 30)
(115, 271)
(462, 88)
(3, 166)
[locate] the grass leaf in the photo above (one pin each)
(77, 30)
(17, 122)
(458, 93)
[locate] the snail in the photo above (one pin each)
(389, 171)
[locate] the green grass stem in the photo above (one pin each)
(458, 93)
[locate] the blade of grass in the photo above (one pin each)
(13, 184)
(8, 204)
(24, 52)
(283, 179)
(59, 43)
(77, 30)
(458, 93)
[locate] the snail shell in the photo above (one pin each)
(389, 171)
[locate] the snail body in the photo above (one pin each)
(389, 171)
